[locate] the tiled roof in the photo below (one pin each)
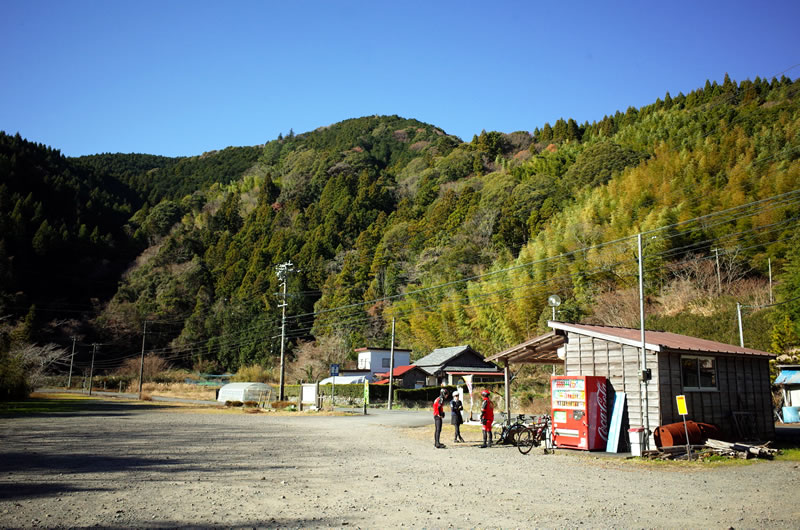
(657, 340)
(440, 356)
(486, 369)
(398, 371)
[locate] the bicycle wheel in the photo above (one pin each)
(525, 441)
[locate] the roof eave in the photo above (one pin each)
(604, 336)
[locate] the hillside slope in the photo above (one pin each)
(387, 217)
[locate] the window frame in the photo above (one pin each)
(700, 387)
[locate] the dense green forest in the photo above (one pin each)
(384, 217)
(62, 240)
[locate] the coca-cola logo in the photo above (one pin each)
(602, 402)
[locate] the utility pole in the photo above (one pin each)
(91, 368)
(283, 270)
(769, 264)
(71, 359)
(643, 376)
(391, 367)
(739, 315)
(141, 362)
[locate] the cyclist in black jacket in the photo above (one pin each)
(456, 419)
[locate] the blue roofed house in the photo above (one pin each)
(451, 365)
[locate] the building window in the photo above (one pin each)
(385, 363)
(698, 373)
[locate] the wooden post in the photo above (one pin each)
(91, 369)
(71, 358)
(141, 363)
(391, 368)
(506, 374)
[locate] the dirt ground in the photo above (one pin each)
(122, 464)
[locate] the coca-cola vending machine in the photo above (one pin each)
(580, 411)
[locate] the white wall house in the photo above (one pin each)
(376, 360)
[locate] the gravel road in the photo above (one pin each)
(121, 464)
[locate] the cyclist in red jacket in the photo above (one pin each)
(438, 414)
(487, 418)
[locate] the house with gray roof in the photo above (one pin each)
(451, 365)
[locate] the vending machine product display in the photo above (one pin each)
(580, 411)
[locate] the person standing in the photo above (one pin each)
(438, 414)
(456, 419)
(487, 418)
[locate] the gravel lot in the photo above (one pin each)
(122, 464)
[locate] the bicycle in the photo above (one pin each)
(510, 432)
(535, 434)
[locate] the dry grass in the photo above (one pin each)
(177, 390)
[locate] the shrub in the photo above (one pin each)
(207, 366)
(13, 384)
(251, 404)
(113, 381)
(153, 366)
(425, 394)
(233, 403)
(253, 374)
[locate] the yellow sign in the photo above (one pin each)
(682, 405)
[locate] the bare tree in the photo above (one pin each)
(313, 359)
(153, 365)
(38, 360)
(617, 308)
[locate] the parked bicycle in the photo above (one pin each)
(534, 435)
(509, 434)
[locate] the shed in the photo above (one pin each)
(725, 385)
(244, 392)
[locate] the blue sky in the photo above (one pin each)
(181, 78)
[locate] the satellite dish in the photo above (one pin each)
(554, 300)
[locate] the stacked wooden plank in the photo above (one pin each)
(712, 447)
(742, 450)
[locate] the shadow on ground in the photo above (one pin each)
(70, 407)
(31, 490)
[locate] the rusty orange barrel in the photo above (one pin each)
(674, 433)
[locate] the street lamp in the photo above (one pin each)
(554, 301)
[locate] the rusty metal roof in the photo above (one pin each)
(657, 340)
(540, 350)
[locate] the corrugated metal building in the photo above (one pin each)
(724, 385)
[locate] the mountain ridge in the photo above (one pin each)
(372, 208)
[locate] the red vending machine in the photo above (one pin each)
(580, 411)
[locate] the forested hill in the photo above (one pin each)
(65, 237)
(462, 242)
(61, 231)
(155, 178)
